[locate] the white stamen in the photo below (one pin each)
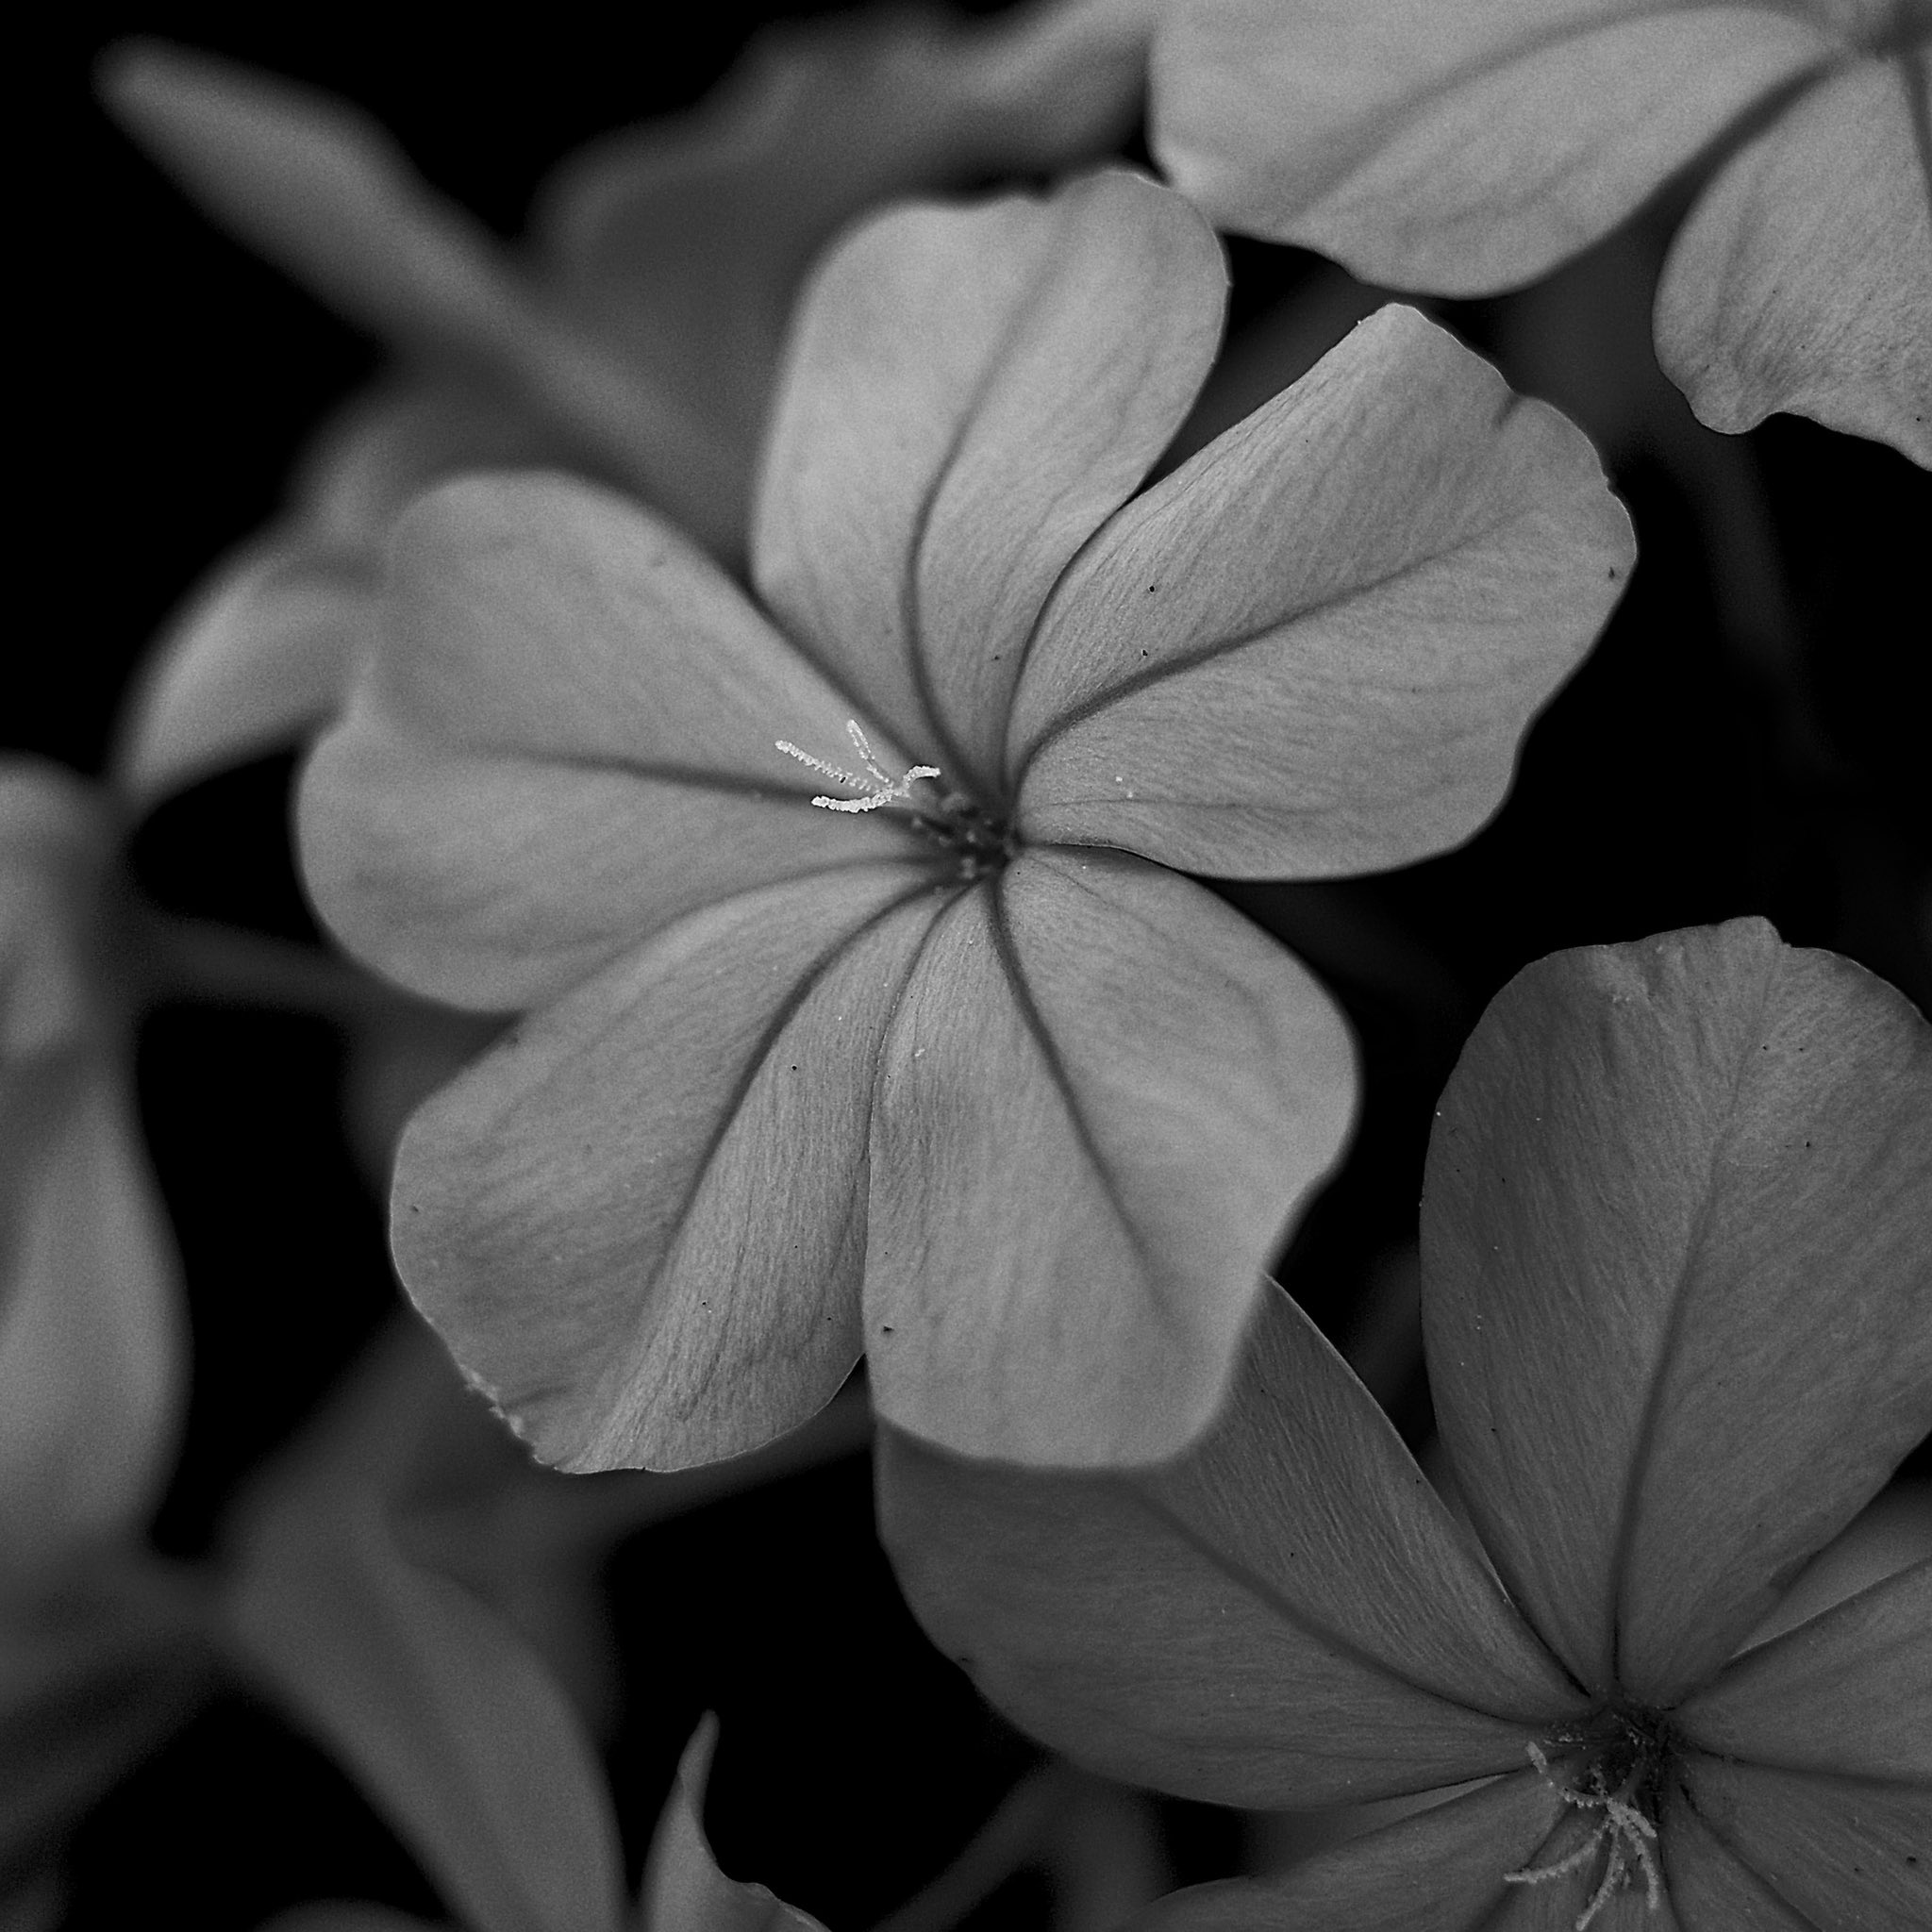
(875, 790)
(1626, 1828)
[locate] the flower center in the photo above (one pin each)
(1618, 1776)
(958, 825)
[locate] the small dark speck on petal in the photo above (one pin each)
(1151, 587)
(885, 1328)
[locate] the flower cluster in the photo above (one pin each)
(844, 697)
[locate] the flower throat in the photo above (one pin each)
(951, 820)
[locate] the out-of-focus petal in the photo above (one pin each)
(683, 244)
(1440, 1870)
(93, 1341)
(1288, 1616)
(319, 189)
(568, 739)
(1803, 278)
(1674, 1283)
(1103, 1099)
(1456, 149)
(93, 1349)
(1314, 647)
(268, 647)
(345, 1917)
(1847, 1693)
(968, 392)
(639, 1221)
(683, 1891)
(1844, 1855)
(449, 1725)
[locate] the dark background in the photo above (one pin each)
(1748, 738)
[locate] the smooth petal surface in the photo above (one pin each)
(1678, 1317)
(1803, 278)
(1458, 149)
(1847, 1693)
(1713, 1889)
(94, 1343)
(967, 394)
(638, 1221)
(1103, 1098)
(683, 1891)
(267, 648)
(451, 1727)
(1441, 1870)
(683, 244)
(1287, 1616)
(1842, 1855)
(1314, 647)
(567, 742)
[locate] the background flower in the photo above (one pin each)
(1676, 1306)
(1464, 150)
(1049, 1105)
(635, 337)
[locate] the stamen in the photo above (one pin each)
(877, 790)
(1627, 1832)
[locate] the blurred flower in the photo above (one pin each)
(637, 338)
(1047, 1105)
(1465, 150)
(1679, 1327)
(99, 1648)
(93, 1348)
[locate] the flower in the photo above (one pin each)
(972, 1080)
(638, 339)
(93, 1341)
(1679, 1330)
(1465, 149)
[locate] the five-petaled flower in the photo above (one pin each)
(1679, 1330)
(974, 1081)
(1467, 149)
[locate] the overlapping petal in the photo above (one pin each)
(638, 1222)
(1802, 279)
(967, 394)
(1458, 149)
(1102, 1097)
(1441, 1870)
(1314, 649)
(568, 744)
(1844, 1694)
(1841, 1855)
(1287, 1615)
(684, 244)
(1676, 1296)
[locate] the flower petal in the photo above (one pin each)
(1674, 1289)
(267, 648)
(683, 244)
(444, 1718)
(683, 1891)
(1104, 1097)
(1456, 149)
(567, 740)
(637, 1221)
(1712, 1886)
(968, 392)
(1844, 1854)
(1803, 278)
(1846, 1694)
(93, 1348)
(1313, 648)
(1288, 1616)
(1440, 1870)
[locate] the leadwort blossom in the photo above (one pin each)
(1467, 149)
(971, 1080)
(1678, 1321)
